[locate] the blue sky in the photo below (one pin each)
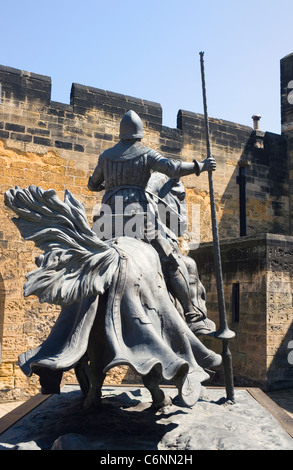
(150, 50)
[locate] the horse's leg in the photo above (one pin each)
(95, 351)
(97, 377)
(83, 375)
(151, 381)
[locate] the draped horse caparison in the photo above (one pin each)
(115, 305)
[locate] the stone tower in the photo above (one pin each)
(287, 120)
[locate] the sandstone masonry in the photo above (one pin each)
(56, 145)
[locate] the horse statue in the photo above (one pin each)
(115, 305)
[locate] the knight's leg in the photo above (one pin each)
(196, 289)
(176, 270)
(178, 280)
(198, 321)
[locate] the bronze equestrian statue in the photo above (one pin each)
(125, 300)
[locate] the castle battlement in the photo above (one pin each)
(56, 145)
(76, 126)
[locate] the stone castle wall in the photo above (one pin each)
(258, 290)
(56, 145)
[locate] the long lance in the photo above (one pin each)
(223, 333)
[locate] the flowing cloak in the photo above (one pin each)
(141, 326)
(143, 329)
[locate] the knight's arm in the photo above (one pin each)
(96, 180)
(177, 168)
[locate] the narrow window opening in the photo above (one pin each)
(235, 302)
(241, 180)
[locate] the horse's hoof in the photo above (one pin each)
(158, 406)
(190, 393)
(92, 402)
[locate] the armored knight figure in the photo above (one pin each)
(124, 172)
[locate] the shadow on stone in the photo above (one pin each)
(126, 421)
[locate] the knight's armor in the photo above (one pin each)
(124, 171)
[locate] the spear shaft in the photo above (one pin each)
(223, 333)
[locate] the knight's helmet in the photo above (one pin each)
(131, 126)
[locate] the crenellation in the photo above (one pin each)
(60, 108)
(56, 145)
(21, 86)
